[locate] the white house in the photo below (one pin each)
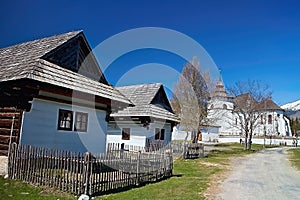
(53, 94)
(222, 114)
(148, 121)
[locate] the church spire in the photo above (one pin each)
(220, 91)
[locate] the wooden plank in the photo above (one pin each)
(6, 131)
(6, 123)
(9, 114)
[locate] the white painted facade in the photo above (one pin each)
(268, 141)
(139, 135)
(209, 134)
(40, 128)
(221, 114)
(271, 122)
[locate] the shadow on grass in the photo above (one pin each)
(133, 186)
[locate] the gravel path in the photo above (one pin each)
(265, 175)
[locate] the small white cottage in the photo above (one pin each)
(150, 120)
(53, 94)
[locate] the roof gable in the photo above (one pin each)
(161, 99)
(149, 100)
(40, 60)
(77, 56)
(67, 50)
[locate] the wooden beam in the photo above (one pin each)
(6, 131)
(6, 123)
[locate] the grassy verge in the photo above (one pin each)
(12, 189)
(191, 179)
(295, 157)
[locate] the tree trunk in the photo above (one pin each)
(250, 143)
(187, 135)
(246, 141)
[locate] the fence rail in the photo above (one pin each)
(83, 173)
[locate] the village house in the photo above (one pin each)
(149, 121)
(222, 113)
(53, 94)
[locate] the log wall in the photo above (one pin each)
(10, 120)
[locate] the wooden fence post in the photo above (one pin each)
(87, 172)
(201, 150)
(11, 160)
(137, 168)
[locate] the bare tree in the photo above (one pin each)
(247, 97)
(190, 96)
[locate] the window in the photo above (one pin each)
(261, 119)
(125, 133)
(224, 106)
(159, 134)
(162, 134)
(65, 120)
(269, 119)
(81, 122)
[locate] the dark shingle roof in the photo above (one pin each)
(142, 97)
(268, 104)
(24, 61)
(17, 61)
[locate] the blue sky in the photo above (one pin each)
(256, 40)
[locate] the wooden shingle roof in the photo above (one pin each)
(149, 100)
(268, 105)
(140, 94)
(29, 61)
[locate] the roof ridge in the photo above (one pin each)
(43, 38)
(143, 84)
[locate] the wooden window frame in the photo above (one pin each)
(270, 119)
(65, 120)
(159, 134)
(80, 125)
(125, 133)
(156, 133)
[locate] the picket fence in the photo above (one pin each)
(121, 167)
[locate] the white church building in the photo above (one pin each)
(224, 121)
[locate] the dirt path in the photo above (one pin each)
(265, 175)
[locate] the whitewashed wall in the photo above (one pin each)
(210, 134)
(268, 141)
(224, 118)
(40, 128)
(180, 135)
(138, 133)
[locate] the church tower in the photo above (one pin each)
(220, 109)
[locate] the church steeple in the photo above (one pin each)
(220, 91)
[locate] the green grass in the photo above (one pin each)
(12, 189)
(295, 157)
(191, 178)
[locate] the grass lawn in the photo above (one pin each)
(191, 178)
(12, 189)
(295, 157)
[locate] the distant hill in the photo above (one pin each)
(292, 109)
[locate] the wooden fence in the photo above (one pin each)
(80, 173)
(187, 150)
